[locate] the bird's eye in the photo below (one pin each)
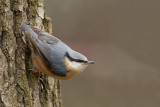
(78, 60)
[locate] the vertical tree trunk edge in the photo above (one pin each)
(19, 86)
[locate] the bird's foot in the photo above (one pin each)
(35, 71)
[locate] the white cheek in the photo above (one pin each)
(77, 66)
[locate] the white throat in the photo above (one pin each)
(77, 66)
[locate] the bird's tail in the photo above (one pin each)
(27, 29)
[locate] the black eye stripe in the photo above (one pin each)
(72, 59)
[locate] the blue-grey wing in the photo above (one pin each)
(44, 36)
(46, 46)
(55, 58)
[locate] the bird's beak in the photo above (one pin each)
(90, 62)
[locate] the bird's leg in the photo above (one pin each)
(38, 73)
(39, 76)
(35, 71)
(42, 82)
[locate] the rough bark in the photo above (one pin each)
(20, 87)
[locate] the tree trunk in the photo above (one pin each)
(19, 86)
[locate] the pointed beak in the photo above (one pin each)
(91, 62)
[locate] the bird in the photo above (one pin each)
(52, 56)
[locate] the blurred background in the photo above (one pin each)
(123, 37)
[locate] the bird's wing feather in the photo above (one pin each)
(41, 40)
(44, 36)
(47, 54)
(34, 36)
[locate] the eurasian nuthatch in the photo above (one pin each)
(53, 57)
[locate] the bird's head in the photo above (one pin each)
(76, 62)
